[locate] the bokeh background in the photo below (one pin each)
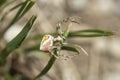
(103, 62)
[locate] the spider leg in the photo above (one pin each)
(51, 50)
(74, 19)
(58, 29)
(54, 55)
(66, 20)
(66, 57)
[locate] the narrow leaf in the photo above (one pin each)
(16, 42)
(66, 32)
(24, 8)
(48, 66)
(90, 33)
(74, 48)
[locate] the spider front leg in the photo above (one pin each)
(59, 30)
(67, 21)
(74, 19)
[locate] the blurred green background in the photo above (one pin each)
(103, 62)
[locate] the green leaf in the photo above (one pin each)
(66, 32)
(90, 33)
(69, 48)
(48, 66)
(24, 8)
(16, 42)
(74, 48)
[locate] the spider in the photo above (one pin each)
(49, 43)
